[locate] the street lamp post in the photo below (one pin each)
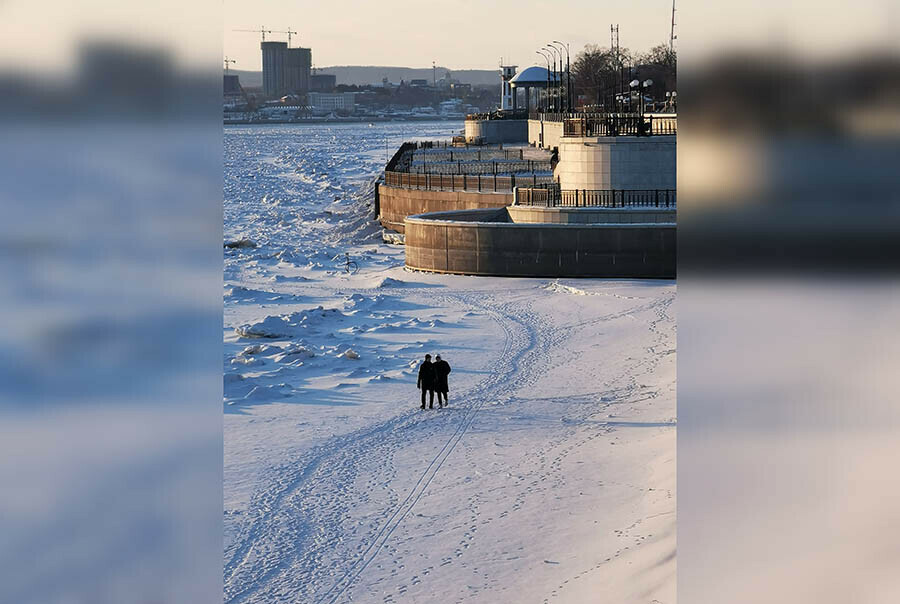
(559, 81)
(552, 49)
(644, 86)
(635, 87)
(547, 96)
(568, 77)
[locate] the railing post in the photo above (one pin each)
(465, 184)
(479, 181)
(495, 181)
(657, 198)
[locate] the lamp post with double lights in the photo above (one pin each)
(645, 85)
(635, 87)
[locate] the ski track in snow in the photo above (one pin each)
(246, 575)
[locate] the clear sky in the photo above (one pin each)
(42, 36)
(458, 34)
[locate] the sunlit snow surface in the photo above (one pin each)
(549, 478)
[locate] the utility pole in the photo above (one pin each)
(433, 75)
(614, 47)
(672, 31)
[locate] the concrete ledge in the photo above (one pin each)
(482, 242)
(589, 215)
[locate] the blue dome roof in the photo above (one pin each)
(535, 76)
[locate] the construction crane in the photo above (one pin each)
(227, 61)
(262, 31)
(288, 32)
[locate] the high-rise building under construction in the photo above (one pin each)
(285, 70)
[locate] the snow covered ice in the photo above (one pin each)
(549, 478)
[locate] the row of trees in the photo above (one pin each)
(599, 74)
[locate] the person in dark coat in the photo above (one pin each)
(426, 380)
(441, 371)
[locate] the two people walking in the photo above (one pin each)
(433, 378)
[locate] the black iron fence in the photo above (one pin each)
(480, 167)
(479, 154)
(620, 125)
(552, 196)
(488, 183)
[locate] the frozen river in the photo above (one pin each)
(549, 478)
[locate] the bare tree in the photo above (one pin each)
(598, 75)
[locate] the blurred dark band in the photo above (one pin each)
(790, 166)
(112, 81)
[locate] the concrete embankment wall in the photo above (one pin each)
(395, 203)
(617, 162)
(496, 131)
(544, 134)
(536, 214)
(485, 243)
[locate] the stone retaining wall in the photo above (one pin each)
(485, 243)
(616, 162)
(496, 131)
(542, 133)
(395, 203)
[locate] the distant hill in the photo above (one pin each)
(372, 74)
(248, 79)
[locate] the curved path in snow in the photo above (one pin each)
(304, 541)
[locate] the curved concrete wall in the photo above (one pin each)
(396, 203)
(496, 131)
(568, 215)
(616, 162)
(480, 242)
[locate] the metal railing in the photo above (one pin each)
(488, 183)
(507, 114)
(552, 196)
(620, 125)
(479, 154)
(480, 167)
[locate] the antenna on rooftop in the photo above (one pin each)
(227, 61)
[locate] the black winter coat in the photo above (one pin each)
(426, 376)
(441, 371)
